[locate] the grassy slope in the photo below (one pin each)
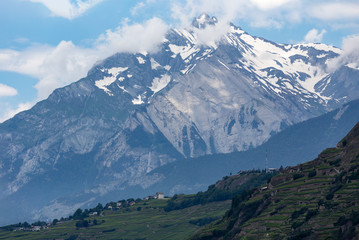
(282, 211)
(152, 222)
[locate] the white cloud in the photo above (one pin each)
(314, 36)
(349, 55)
(346, 25)
(67, 8)
(335, 11)
(133, 38)
(66, 63)
(274, 13)
(7, 91)
(22, 40)
(9, 113)
(211, 34)
(137, 8)
(141, 5)
(267, 5)
(259, 13)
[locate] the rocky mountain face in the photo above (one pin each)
(296, 144)
(136, 112)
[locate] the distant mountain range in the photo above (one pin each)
(108, 134)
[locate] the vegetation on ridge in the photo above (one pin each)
(224, 189)
(314, 200)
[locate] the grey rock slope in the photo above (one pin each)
(100, 137)
(296, 144)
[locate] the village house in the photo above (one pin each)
(35, 228)
(273, 169)
(92, 213)
(160, 195)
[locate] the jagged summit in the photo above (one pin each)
(203, 20)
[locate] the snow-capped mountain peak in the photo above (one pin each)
(279, 68)
(204, 20)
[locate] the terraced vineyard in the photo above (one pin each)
(315, 200)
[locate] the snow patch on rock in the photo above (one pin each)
(141, 60)
(106, 81)
(154, 65)
(138, 100)
(160, 83)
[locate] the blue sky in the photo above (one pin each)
(46, 44)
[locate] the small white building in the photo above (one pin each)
(35, 228)
(160, 195)
(118, 204)
(92, 213)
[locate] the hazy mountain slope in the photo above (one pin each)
(296, 144)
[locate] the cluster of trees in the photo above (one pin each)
(296, 214)
(80, 215)
(24, 225)
(353, 218)
(354, 175)
(87, 223)
(214, 194)
(203, 221)
(124, 203)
